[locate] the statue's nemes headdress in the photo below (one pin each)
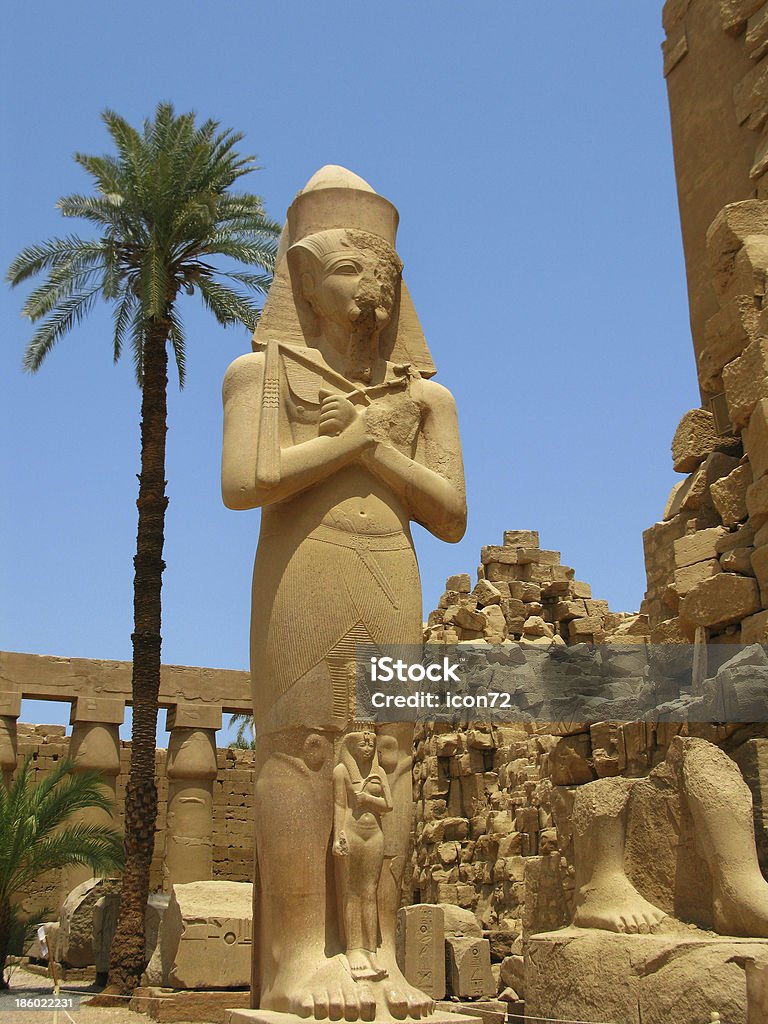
(336, 198)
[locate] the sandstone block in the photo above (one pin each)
(726, 335)
(191, 1007)
(521, 538)
(534, 625)
(760, 568)
(487, 593)
(495, 622)
(756, 38)
(564, 611)
(754, 630)
(205, 936)
(460, 922)
(738, 560)
(468, 967)
(570, 761)
(756, 439)
(745, 380)
(729, 495)
(460, 583)
(587, 626)
(653, 979)
(732, 226)
(76, 931)
(468, 619)
(757, 502)
(734, 14)
(721, 600)
(694, 440)
(581, 590)
(420, 947)
(697, 547)
(492, 553)
(750, 97)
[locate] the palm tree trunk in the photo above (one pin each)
(6, 924)
(127, 960)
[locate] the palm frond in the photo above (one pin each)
(178, 343)
(67, 314)
(54, 252)
(34, 832)
(102, 210)
(228, 306)
(256, 282)
(62, 283)
(122, 316)
(138, 329)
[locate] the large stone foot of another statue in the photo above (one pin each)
(615, 905)
(327, 992)
(741, 905)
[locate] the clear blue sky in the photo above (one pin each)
(527, 147)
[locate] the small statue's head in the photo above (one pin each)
(360, 746)
(348, 277)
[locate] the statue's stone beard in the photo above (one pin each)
(363, 340)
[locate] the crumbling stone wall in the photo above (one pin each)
(707, 560)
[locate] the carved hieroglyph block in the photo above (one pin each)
(205, 936)
(421, 947)
(468, 967)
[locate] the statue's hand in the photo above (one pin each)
(340, 845)
(336, 414)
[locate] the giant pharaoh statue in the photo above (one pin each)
(335, 429)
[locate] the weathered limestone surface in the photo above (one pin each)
(638, 979)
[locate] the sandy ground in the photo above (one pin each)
(25, 984)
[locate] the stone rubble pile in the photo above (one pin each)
(523, 592)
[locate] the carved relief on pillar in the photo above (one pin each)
(191, 773)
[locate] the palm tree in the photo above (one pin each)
(164, 212)
(245, 737)
(35, 837)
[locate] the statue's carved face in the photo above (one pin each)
(364, 744)
(351, 280)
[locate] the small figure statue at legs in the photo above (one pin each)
(361, 795)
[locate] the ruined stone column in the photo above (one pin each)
(10, 709)
(188, 855)
(95, 744)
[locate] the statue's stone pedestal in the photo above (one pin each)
(273, 1017)
(680, 976)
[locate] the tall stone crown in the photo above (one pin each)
(337, 198)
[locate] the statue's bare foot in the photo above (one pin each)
(379, 970)
(741, 907)
(329, 992)
(402, 999)
(616, 906)
(363, 965)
